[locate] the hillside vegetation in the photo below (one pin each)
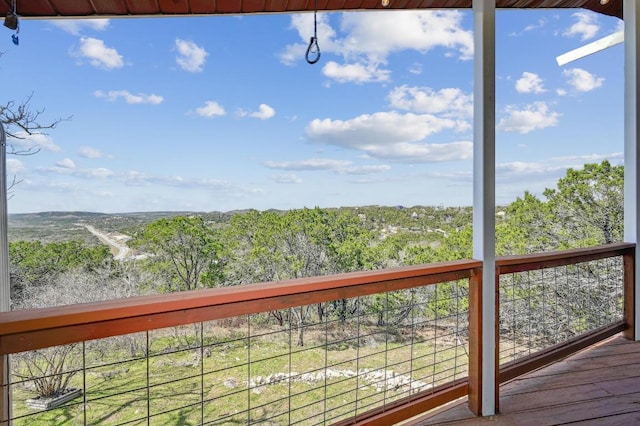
(68, 257)
(173, 251)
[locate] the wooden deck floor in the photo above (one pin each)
(597, 386)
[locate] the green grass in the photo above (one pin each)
(178, 394)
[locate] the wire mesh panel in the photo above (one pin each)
(310, 365)
(548, 306)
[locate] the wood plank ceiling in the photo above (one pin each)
(114, 8)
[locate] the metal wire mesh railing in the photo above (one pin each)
(546, 306)
(314, 364)
(345, 349)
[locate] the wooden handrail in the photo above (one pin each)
(530, 262)
(514, 264)
(39, 328)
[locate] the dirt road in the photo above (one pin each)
(122, 250)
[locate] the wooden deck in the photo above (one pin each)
(597, 386)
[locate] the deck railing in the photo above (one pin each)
(372, 347)
(554, 304)
(363, 347)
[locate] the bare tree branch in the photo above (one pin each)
(21, 120)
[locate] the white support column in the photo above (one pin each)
(631, 13)
(5, 287)
(484, 13)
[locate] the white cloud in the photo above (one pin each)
(76, 26)
(545, 174)
(367, 39)
(379, 34)
(530, 83)
(191, 57)
(264, 112)
(66, 163)
(535, 116)
(355, 73)
(288, 178)
(582, 80)
(336, 166)
(423, 152)
(24, 141)
(135, 178)
(366, 170)
(591, 158)
(391, 136)
(450, 102)
(377, 129)
(416, 68)
(586, 26)
(62, 169)
(303, 24)
(210, 109)
(14, 166)
(531, 27)
(523, 168)
(128, 97)
(99, 172)
(99, 55)
(89, 152)
(310, 164)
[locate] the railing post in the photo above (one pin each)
(631, 12)
(496, 360)
(629, 289)
(475, 342)
(5, 286)
(5, 400)
(484, 203)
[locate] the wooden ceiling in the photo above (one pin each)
(113, 8)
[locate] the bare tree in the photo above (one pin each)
(51, 370)
(21, 120)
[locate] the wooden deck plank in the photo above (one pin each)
(597, 386)
(569, 378)
(571, 413)
(617, 420)
(622, 386)
(550, 397)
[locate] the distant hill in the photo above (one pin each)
(64, 226)
(70, 225)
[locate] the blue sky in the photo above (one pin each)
(222, 113)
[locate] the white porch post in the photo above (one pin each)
(5, 288)
(631, 13)
(484, 116)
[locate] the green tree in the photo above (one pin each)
(275, 246)
(33, 263)
(528, 227)
(183, 248)
(588, 205)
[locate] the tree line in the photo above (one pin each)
(190, 252)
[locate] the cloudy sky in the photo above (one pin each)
(223, 113)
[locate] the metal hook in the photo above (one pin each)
(313, 49)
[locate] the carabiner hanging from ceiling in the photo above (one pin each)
(12, 22)
(313, 48)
